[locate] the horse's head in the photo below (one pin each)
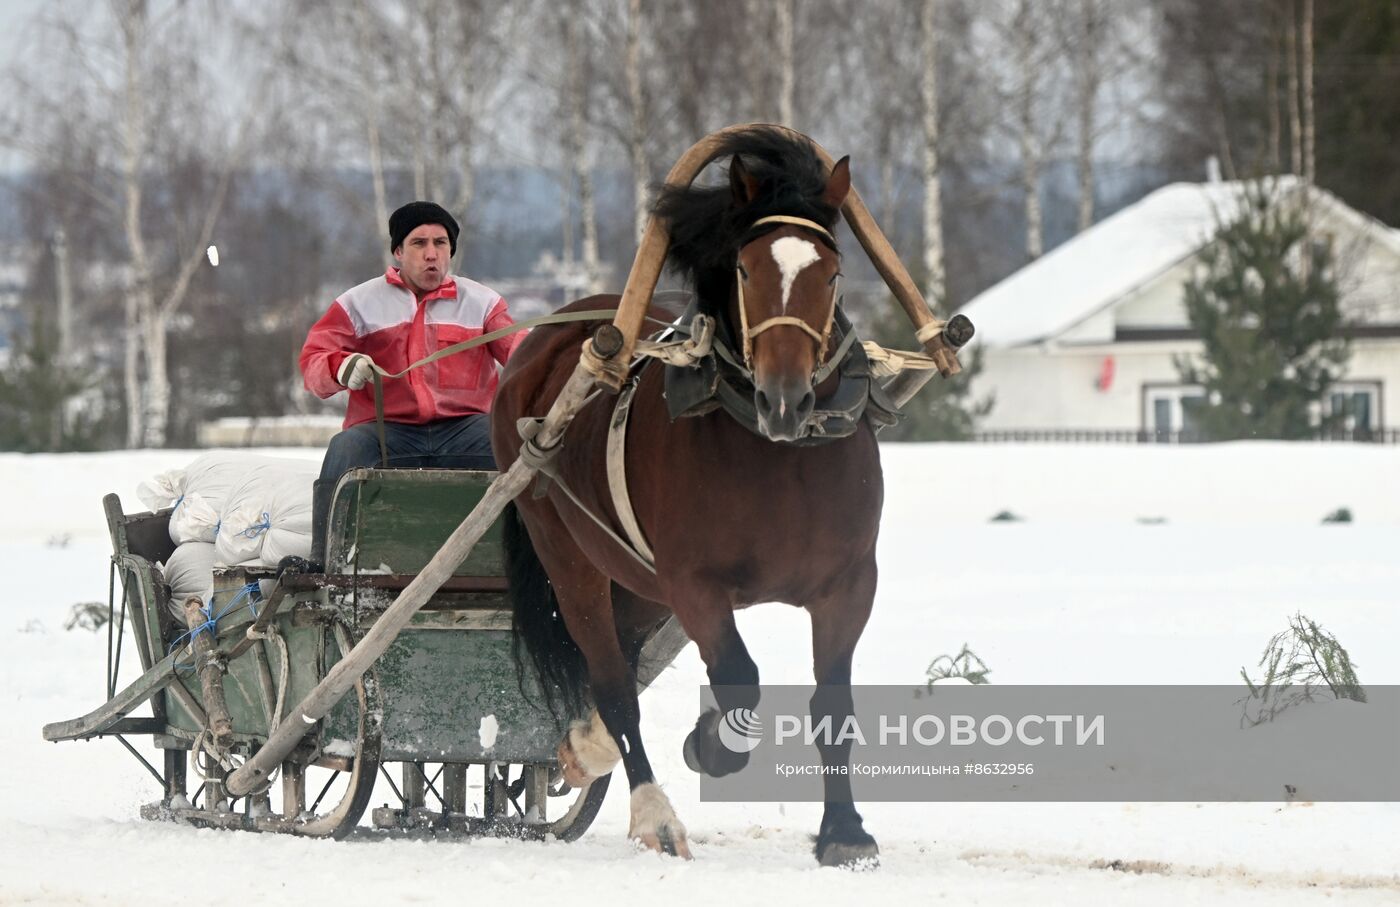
(787, 279)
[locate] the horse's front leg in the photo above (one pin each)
(592, 748)
(734, 677)
(837, 622)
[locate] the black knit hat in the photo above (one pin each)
(414, 215)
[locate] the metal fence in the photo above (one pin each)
(1144, 436)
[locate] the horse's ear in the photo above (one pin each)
(839, 183)
(741, 182)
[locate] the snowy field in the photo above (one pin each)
(1130, 565)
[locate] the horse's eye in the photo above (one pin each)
(742, 273)
(834, 277)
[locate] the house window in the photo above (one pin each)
(1353, 407)
(1170, 411)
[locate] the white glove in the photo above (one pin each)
(356, 371)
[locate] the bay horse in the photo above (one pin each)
(734, 516)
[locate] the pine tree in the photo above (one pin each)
(1265, 305)
(35, 389)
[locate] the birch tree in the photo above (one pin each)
(1024, 32)
(415, 106)
(1088, 79)
(149, 120)
(783, 13)
(1309, 131)
(578, 143)
(151, 304)
(637, 120)
(1295, 116)
(935, 287)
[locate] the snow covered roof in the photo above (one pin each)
(1121, 253)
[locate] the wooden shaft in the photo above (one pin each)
(211, 674)
(339, 679)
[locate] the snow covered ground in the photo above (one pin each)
(1131, 565)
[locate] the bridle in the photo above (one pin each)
(822, 339)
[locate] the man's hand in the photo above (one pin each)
(356, 371)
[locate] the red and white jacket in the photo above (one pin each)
(382, 319)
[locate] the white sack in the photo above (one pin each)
(193, 520)
(162, 491)
(208, 481)
(267, 515)
(190, 571)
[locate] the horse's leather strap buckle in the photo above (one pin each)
(537, 458)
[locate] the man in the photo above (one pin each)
(436, 415)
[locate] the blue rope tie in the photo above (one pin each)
(211, 621)
(257, 529)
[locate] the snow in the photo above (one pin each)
(486, 733)
(1132, 564)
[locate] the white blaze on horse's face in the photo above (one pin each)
(792, 255)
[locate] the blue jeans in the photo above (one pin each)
(462, 443)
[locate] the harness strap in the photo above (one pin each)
(617, 472)
(544, 457)
(381, 373)
(796, 221)
(783, 319)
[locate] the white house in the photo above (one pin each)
(1083, 339)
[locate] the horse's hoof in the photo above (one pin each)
(666, 840)
(850, 856)
(705, 754)
(587, 753)
(692, 758)
(654, 823)
(574, 775)
(848, 845)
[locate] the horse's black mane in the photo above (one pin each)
(707, 227)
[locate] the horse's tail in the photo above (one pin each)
(540, 634)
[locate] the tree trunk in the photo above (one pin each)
(1294, 116)
(1089, 77)
(365, 39)
(1309, 135)
(588, 213)
(131, 371)
(155, 338)
(133, 25)
(566, 214)
(637, 135)
(471, 91)
(462, 206)
(757, 53)
(935, 290)
(576, 90)
(1271, 90)
(1024, 31)
(787, 79)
